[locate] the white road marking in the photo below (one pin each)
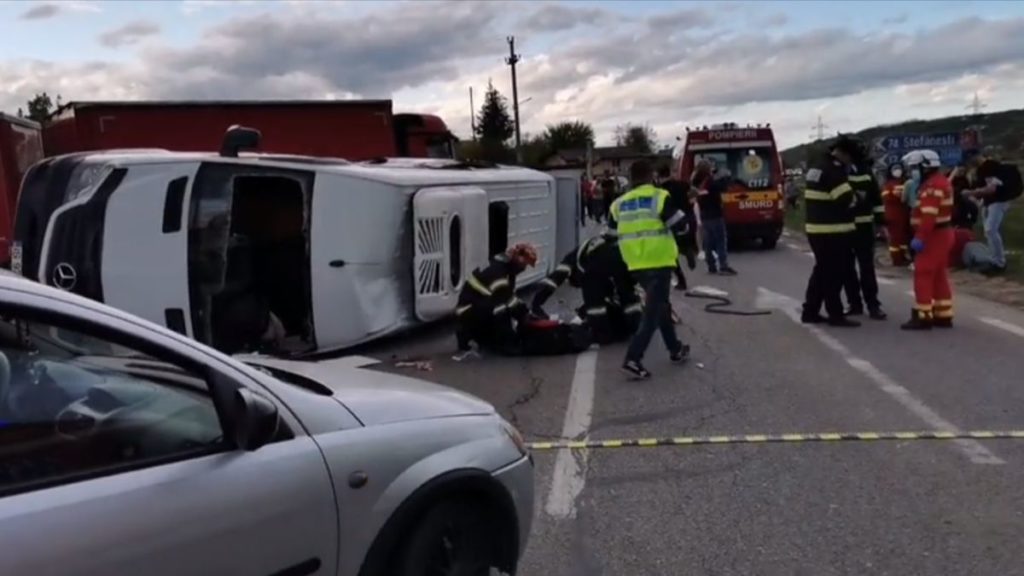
(885, 281)
(570, 473)
(910, 293)
(971, 448)
(1011, 328)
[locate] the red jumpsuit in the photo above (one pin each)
(897, 222)
(932, 222)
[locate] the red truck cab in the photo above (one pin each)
(21, 146)
(753, 201)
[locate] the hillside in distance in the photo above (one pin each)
(1002, 132)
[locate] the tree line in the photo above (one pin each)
(40, 107)
(495, 128)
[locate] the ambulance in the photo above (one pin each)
(753, 201)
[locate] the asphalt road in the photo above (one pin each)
(900, 508)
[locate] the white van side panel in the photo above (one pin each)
(361, 271)
(532, 218)
(145, 270)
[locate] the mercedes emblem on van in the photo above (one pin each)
(64, 276)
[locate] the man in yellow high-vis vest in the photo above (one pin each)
(646, 219)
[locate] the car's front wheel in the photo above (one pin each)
(451, 539)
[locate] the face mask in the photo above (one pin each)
(897, 173)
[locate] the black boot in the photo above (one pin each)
(942, 322)
(876, 313)
(918, 321)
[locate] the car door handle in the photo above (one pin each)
(337, 263)
(303, 568)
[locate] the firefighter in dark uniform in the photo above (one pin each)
(829, 224)
(868, 211)
(611, 306)
(488, 304)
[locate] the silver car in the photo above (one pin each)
(126, 449)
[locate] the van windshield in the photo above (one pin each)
(749, 167)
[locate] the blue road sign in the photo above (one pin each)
(946, 144)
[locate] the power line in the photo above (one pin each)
(819, 130)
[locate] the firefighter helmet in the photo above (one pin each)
(524, 253)
(922, 159)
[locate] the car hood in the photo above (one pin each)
(378, 397)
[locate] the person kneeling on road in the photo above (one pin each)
(645, 218)
(488, 304)
(611, 307)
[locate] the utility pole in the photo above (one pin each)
(819, 130)
(977, 105)
(472, 114)
(512, 60)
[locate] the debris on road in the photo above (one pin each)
(421, 365)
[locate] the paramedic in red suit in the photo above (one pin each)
(897, 217)
(933, 239)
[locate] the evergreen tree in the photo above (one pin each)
(641, 138)
(40, 107)
(494, 124)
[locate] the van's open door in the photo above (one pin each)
(145, 244)
(450, 240)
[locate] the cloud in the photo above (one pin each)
(128, 34)
(897, 19)
(777, 19)
(41, 12)
(46, 10)
(578, 62)
(557, 17)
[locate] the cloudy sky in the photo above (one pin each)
(670, 64)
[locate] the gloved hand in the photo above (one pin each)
(917, 245)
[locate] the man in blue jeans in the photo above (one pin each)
(645, 219)
(709, 187)
(1001, 183)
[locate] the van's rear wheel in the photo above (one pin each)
(769, 242)
(452, 539)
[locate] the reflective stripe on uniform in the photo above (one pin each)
(879, 209)
(499, 309)
(633, 308)
(645, 234)
(675, 218)
(499, 283)
(475, 284)
(597, 311)
(929, 210)
(864, 219)
(832, 194)
(549, 282)
(463, 309)
(564, 268)
(829, 228)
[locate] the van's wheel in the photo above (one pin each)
(769, 242)
(452, 539)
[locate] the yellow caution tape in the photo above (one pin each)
(779, 438)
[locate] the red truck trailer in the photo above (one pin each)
(351, 129)
(21, 145)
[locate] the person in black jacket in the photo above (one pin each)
(680, 192)
(829, 224)
(611, 306)
(709, 184)
(867, 211)
(488, 303)
(965, 210)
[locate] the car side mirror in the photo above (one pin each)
(255, 419)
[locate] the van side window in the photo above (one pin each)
(75, 405)
(497, 224)
(174, 204)
(455, 251)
